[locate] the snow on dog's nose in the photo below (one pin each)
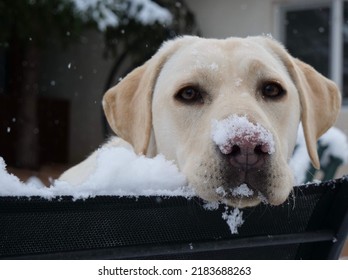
(247, 144)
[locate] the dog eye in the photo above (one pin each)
(190, 95)
(272, 90)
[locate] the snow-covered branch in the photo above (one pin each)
(110, 13)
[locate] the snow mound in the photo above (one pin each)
(335, 143)
(234, 219)
(235, 130)
(242, 191)
(337, 146)
(119, 172)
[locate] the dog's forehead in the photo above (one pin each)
(220, 56)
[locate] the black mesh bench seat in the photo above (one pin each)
(312, 224)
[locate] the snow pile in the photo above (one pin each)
(242, 191)
(107, 13)
(221, 191)
(236, 130)
(234, 219)
(119, 172)
(337, 146)
(10, 185)
(335, 143)
(211, 205)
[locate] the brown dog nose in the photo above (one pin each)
(246, 151)
(245, 157)
(246, 144)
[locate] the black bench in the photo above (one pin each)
(312, 224)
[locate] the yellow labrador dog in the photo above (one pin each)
(225, 111)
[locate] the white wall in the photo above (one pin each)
(225, 18)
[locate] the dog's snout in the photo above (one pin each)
(246, 144)
(239, 131)
(245, 157)
(246, 151)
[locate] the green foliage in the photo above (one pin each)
(45, 21)
(38, 21)
(141, 41)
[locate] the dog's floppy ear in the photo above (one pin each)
(320, 101)
(127, 105)
(320, 98)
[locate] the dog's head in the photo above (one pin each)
(227, 112)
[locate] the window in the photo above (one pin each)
(317, 33)
(309, 42)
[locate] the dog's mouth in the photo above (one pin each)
(241, 196)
